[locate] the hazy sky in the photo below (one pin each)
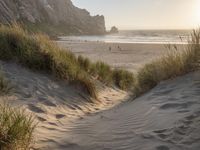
(145, 14)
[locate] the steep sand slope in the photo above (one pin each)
(166, 118)
(55, 104)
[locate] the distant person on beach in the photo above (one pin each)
(110, 48)
(119, 48)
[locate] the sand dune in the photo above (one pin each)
(166, 118)
(54, 103)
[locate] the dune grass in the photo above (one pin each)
(174, 63)
(38, 52)
(104, 73)
(124, 79)
(16, 129)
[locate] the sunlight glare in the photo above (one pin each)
(197, 12)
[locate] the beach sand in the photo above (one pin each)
(119, 55)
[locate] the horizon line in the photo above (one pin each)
(152, 29)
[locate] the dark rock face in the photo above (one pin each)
(53, 14)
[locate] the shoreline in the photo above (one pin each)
(111, 42)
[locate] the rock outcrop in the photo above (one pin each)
(114, 30)
(59, 16)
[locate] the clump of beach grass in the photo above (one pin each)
(16, 128)
(124, 79)
(84, 63)
(103, 72)
(174, 63)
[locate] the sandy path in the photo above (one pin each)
(166, 118)
(122, 55)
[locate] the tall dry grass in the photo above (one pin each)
(16, 129)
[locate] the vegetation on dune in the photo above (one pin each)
(104, 73)
(38, 52)
(16, 129)
(124, 79)
(174, 63)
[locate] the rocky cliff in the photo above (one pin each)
(56, 16)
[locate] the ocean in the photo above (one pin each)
(138, 36)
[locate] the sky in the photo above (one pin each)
(145, 14)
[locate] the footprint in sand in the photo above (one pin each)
(35, 109)
(41, 119)
(177, 105)
(160, 131)
(59, 116)
(162, 147)
(53, 124)
(47, 102)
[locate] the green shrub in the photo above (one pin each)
(16, 129)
